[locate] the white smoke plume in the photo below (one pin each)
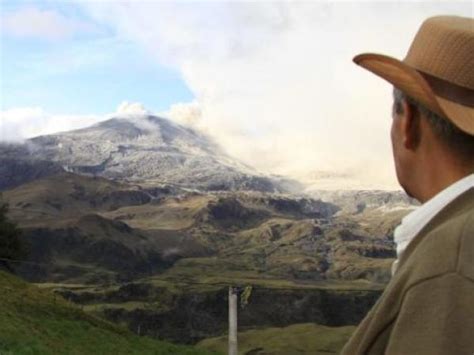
(187, 114)
(274, 81)
(131, 109)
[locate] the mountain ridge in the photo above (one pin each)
(142, 148)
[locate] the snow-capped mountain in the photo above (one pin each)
(147, 148)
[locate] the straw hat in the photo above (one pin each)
(438, 70)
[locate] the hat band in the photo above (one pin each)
(450, 91)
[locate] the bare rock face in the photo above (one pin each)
(144, 148)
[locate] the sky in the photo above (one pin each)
(272, 82)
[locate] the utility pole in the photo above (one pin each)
(233, 297)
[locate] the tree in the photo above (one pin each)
(11, 246)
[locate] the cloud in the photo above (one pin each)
(135, 112)
(18, 124)
(31, 22)
(274, 81)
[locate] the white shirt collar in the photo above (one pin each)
(414, 222)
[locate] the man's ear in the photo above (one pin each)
(410, 126)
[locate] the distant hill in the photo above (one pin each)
(34, 321)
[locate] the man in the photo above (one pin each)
(428, 307)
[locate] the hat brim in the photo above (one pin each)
(412, 83)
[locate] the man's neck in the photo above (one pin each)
(438, 177)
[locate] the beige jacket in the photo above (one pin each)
(428, 306)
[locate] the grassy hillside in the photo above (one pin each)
(34, 321)
(296, 339)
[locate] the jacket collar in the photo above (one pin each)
(423, 218)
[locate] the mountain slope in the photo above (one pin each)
(143, 148)
(34, 321)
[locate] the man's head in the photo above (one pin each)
(433, 112)
(422, 140)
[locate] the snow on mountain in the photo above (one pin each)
(136, 146)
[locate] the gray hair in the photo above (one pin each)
(459, 141)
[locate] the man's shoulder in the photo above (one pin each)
(446, 245)
(438, 261)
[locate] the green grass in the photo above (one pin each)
(34, 321)
(305, 338)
